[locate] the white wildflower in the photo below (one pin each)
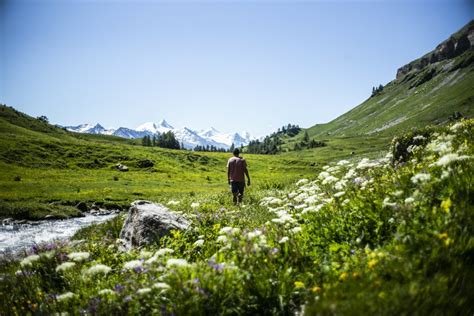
(78, 256)
(195, 205)
(419, 137)
(65, 296)
(176, 263)
(343, 162)
(456, 126)
(339, 194)
(283, 240)
(310, 209)
(229, 231)
(449, 158)
(163, 251)
(300, 206)
(340, 185)
(106, 292)
(412, 148)
(146, 254)
(387, 203)
(409, 200)
(333, 169)
(301, 182)
(323, 175)
(130, 265)
(28, 261)
(296, 230)
(161, 286)
(445, 174)
(312, 199)
(222, 239)
(198, 243)
(253, 234)
(350, 174)
(144, 291)
(301, 197)
(421, 178)
(330, 179)
(345, 202)
(397, 193)
(98, 269)
(173, 202)
(65, 266)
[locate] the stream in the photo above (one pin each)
(14, 238)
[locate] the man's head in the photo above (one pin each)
(236, 152)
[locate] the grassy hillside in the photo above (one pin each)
(417, 98)
(46, 170)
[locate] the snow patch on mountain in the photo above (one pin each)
(187, 137)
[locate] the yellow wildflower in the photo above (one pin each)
(446, 204)
(443, 235)
(299, 284)
(372, 263)
(316, 289)
(343, 276)
(448, 242)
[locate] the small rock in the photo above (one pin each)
(145, 163)
(148, 222)
(81, 206)
(7, 221)
(121, 167)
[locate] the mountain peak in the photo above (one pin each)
(165, 124)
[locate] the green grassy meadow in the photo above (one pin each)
(47, 171)
(391, 235)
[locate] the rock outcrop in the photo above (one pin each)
(456, 45)
(147, 222)
(121, 167)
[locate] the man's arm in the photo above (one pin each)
(228, 173)
(247, 173)
(248, 177)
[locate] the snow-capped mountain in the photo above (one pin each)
(223, 138)
(161, 127)
(87, 128)
(187, 137)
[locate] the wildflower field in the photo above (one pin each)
(391, 235)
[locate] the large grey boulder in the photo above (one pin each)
(147, 222)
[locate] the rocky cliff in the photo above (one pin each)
(457, 44)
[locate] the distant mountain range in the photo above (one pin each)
(187, 137)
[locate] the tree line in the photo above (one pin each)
(376, 90)
(165, 140)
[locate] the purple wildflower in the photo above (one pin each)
(119, 288)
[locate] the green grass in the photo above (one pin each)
(47, 170)
(399, 108)
(371, 236)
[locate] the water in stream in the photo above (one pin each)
(17, 237)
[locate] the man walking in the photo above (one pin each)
(236, 169)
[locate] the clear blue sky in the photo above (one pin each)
(249, 65)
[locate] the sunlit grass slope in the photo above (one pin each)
(46, 170)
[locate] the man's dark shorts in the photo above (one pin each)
(237, 186)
